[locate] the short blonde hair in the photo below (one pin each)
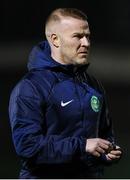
(60, 13)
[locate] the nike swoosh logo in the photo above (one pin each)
(63, 104)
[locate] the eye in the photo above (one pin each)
(78, 36)
(87, 37)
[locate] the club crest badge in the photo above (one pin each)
(95, 103)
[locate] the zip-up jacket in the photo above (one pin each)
(53, 110)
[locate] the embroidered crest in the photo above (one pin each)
(95, 103)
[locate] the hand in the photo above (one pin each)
(97, 146)
(114, 154)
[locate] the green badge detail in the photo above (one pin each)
(95, 103)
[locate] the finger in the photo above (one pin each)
(97, 154)
(103, 141)
(109, 159)
(100, 150)
(112, 156)
(103, 146)
(115, 152)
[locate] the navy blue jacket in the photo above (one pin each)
(53, 110)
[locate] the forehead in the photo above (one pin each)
(73, 24)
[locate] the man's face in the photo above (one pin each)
(74, 41)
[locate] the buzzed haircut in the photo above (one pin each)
(59, 13)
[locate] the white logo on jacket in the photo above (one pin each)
(63, 104)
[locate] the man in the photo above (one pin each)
(58, 112)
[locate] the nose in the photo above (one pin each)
(85, 41)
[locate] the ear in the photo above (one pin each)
(55, 40)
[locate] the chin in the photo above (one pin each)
(82, 62)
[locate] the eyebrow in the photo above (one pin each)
(83, 33)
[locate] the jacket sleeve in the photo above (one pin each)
(106, 130)
(26, 112)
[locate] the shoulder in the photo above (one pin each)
(34, 83)
(41, 76)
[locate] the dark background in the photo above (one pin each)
(21, 27)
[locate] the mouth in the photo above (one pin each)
(83, 52)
